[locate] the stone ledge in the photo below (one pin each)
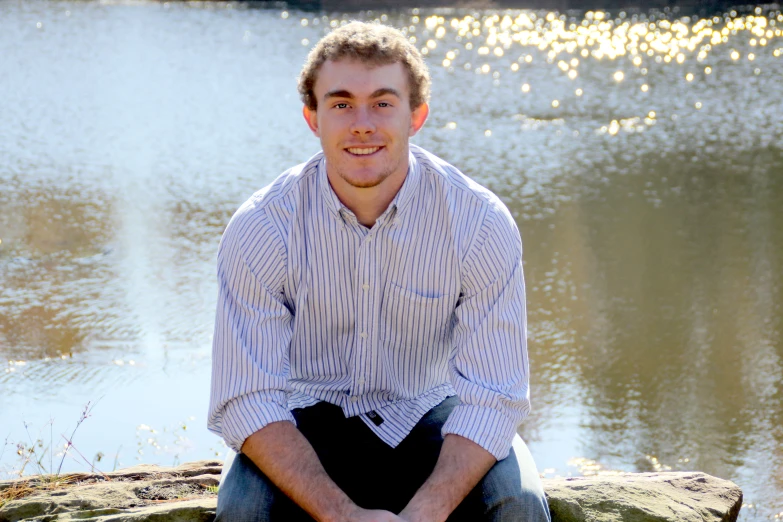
(643, 497)
(186, 494)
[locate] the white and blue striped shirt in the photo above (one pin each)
(385, 322)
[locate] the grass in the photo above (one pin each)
(40, 463)
(24, 487)
(33, 454)
(14, 492)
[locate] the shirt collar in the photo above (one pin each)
(333, 203)
(400, 201)
(411, 184)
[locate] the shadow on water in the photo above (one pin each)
(663, 293)
(53, 258)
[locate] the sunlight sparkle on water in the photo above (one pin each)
(456, 41)
(589, 467)
(523, 37)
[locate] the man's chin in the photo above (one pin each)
(364, 180)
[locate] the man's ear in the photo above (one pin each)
(418, 117)
(311, 117)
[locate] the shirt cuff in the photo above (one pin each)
(245, 415)
(492, 430)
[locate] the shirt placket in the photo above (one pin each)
(365, 333)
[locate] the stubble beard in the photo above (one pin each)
(365, 183)
(359, 182)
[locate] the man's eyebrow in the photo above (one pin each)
(384, 91)
(342, 93)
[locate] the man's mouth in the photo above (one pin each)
(363, 151)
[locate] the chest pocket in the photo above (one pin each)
(412, 323)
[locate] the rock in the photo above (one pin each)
(142, 493)
(643, 497)
(186, 494)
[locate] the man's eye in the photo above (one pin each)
(341, 105)
(383, 104)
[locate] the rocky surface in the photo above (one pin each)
(643, 497)
(187, 493)
(142, 493)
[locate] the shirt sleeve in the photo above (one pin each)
(489, 365)
(253, 329)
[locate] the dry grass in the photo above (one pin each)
(15, 492)
(21, 488)
(33, 453)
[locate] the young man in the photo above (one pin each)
(370, 359)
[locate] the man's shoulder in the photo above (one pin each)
(276, 196)
(284, 184)
(450, 178)
(264, 214)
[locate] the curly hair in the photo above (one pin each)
(372, 44)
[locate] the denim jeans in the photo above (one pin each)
(377, 476)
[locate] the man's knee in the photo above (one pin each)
(247, 495)
(530, 501)
(511, 491)
(527, 505)
(514, 491)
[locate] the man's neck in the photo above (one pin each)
(367, 204)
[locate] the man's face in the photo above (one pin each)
(364, 121)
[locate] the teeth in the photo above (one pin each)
(360, 152)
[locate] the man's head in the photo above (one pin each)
(365, 90)
(373, 45)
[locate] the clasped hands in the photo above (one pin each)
(378, 515)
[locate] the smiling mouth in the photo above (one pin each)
(363, 151)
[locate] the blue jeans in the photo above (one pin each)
(376, 476)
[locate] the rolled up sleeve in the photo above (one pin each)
(253, 329)
(489, 364)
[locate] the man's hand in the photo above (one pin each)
(375, 515)
(461, 465)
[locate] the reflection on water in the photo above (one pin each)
(53, 257)
(641, 153)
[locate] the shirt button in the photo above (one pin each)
(365, 286)
(364, 335)
(354, 398)
(360, 380)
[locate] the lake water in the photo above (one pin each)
(641, 154)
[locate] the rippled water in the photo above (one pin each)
(641, 154)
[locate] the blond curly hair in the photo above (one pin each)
(370, 43)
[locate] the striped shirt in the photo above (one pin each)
(385, 322)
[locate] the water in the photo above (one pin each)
(648, 190)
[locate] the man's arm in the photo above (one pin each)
(489, 370)
(461, 465)
(289, 461)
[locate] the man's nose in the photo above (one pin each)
(362, 123)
